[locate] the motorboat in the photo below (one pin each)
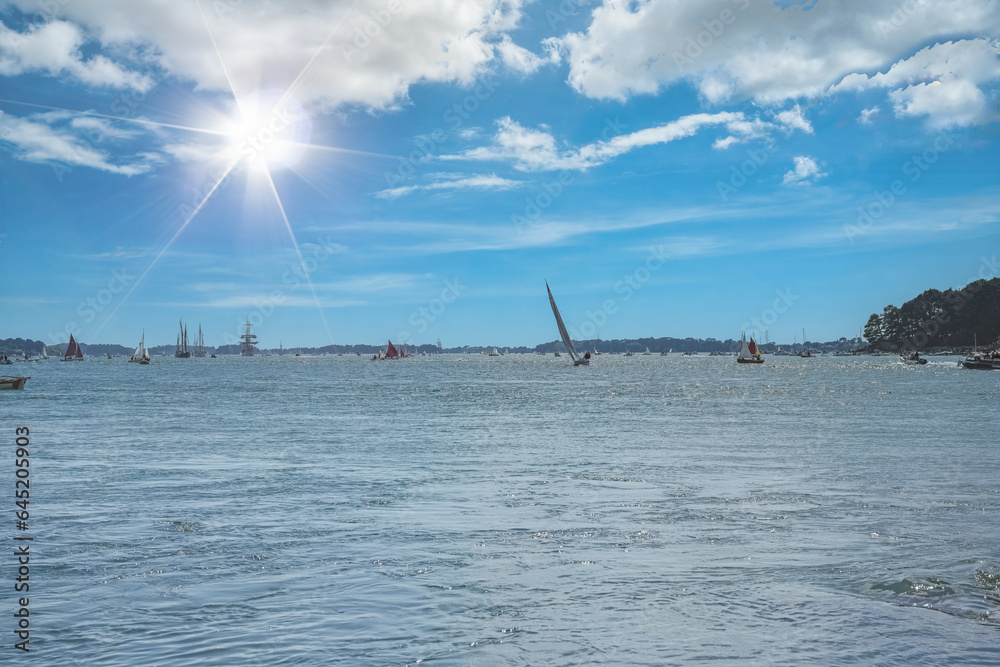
(913, 358)
(983, 361)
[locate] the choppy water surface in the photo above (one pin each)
(471, 510)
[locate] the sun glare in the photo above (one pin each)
(272, 131)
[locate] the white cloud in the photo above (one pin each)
(54, 48)
(867, 114)
(34, 140)
(518, 58)
(794, 119)
(940, 82)
(99, 129)
(478, 182)
(195, 152)
(806, 172)
(732, 50)
(366, 52)
(377, 282)
(945, 103)
(537, 150)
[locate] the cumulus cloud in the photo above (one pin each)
(366, 52)
(477, 182)
(806, 172)
(54, 49)
(732, 50)
(940, 82)
(793, 119)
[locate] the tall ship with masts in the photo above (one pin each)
(249, 340)
(199, 343)
(182, 352)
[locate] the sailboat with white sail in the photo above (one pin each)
(749, 352)
(577, 359)
(141, 354)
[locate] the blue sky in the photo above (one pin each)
(351, 172)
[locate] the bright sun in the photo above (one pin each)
(273, 131)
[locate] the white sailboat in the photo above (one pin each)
(577, 359)
(141, 354)
(749, 353)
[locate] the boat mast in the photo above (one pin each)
(249, 340)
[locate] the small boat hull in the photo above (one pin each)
(749, 361)
(582, 362)
(981, 365)
(12, 382)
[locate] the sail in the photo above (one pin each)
(744, 348)
(753, 347)
(72, 349)
(562, 327)
(391, 352)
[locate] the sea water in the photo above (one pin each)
(473, 510)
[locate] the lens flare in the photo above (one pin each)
(272, 130)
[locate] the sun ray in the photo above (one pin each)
(315, 55)
(334, 149)
(295, 244)
(222, 62)
(165, 248)
(140, 121)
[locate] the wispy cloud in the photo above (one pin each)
(34, 140)
(537, 149)
(867, 115)
(478, 182)
(379, 282)
(251, 301)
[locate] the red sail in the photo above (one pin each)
(752, 347)
(391, 352)
(72, 349)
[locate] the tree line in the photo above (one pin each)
(952, 318)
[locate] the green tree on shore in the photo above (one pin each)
(952, 318)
